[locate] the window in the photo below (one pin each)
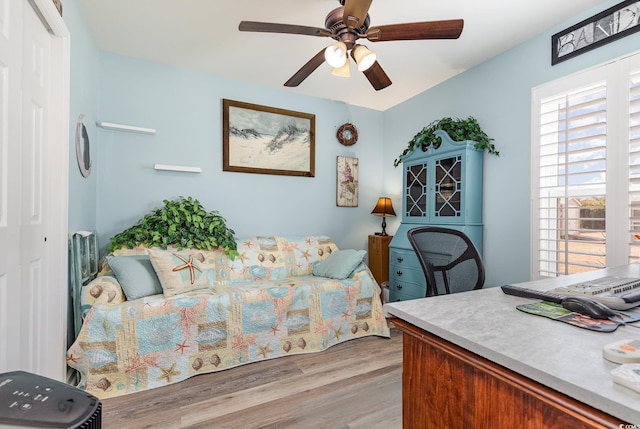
(586, 170)
(634, 166)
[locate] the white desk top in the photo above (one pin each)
(558, 355)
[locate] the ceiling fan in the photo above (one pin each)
(347, 24)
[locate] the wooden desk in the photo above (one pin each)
(471, 360)
(445, 383)
(379, 257)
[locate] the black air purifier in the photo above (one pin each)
(32, 401)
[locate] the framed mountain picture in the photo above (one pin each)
(267, 140)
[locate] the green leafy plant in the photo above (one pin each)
(182, 223)
(457, 129)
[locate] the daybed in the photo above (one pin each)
(191, 311)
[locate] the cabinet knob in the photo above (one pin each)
(398, 286)
(400, 259)
(398, 273)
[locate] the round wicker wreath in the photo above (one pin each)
(347, 134)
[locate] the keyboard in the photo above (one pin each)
(618, 293)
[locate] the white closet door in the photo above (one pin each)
(34, 151)
(35, 280)
(10, 65)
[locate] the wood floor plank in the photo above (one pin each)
(324, 375)
(358, 402)
(355, 399)
(353, 385)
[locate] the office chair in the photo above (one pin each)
(449, 260)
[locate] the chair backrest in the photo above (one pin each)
(450, 261)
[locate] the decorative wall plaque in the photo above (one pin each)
(612, 24)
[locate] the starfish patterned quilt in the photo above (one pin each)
(219, 313)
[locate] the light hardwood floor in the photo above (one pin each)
(356, 384)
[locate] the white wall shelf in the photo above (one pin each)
(180, 168)
(129, 128)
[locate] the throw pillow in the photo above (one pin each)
(340, 264)
(136, 275)
(180, 271)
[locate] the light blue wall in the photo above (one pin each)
(498, 94)
(185, 108)
(83, 100)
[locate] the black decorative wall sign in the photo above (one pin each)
(612, 24)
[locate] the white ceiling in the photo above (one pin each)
(203, 35)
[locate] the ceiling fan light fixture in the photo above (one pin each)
(364, 57)
(344, 70)
(336, 55)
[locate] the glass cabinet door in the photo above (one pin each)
(448, 186)
(416, 191)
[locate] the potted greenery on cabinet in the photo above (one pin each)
(457, 129)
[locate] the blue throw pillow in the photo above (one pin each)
(339, 265)
(136, 275)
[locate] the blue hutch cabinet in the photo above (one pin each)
(442, 187)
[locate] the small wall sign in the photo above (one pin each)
(612, 24)
(347, 181)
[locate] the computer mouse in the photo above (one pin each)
(587, 306)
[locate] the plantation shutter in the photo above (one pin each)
(634, 166)
(572, 176)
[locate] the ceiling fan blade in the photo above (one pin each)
(449, 29)
(306, 70)
(355, 12)
(377, 76)
(267, 27)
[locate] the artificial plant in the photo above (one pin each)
(182, 223)
(457, 129)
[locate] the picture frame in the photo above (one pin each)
(347, 181)
(267, 140)
(607, 26)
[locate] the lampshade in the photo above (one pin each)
(336, 54)
(344, 71)
(363, 56)
(383, 207)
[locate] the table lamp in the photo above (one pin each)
(383, 208)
